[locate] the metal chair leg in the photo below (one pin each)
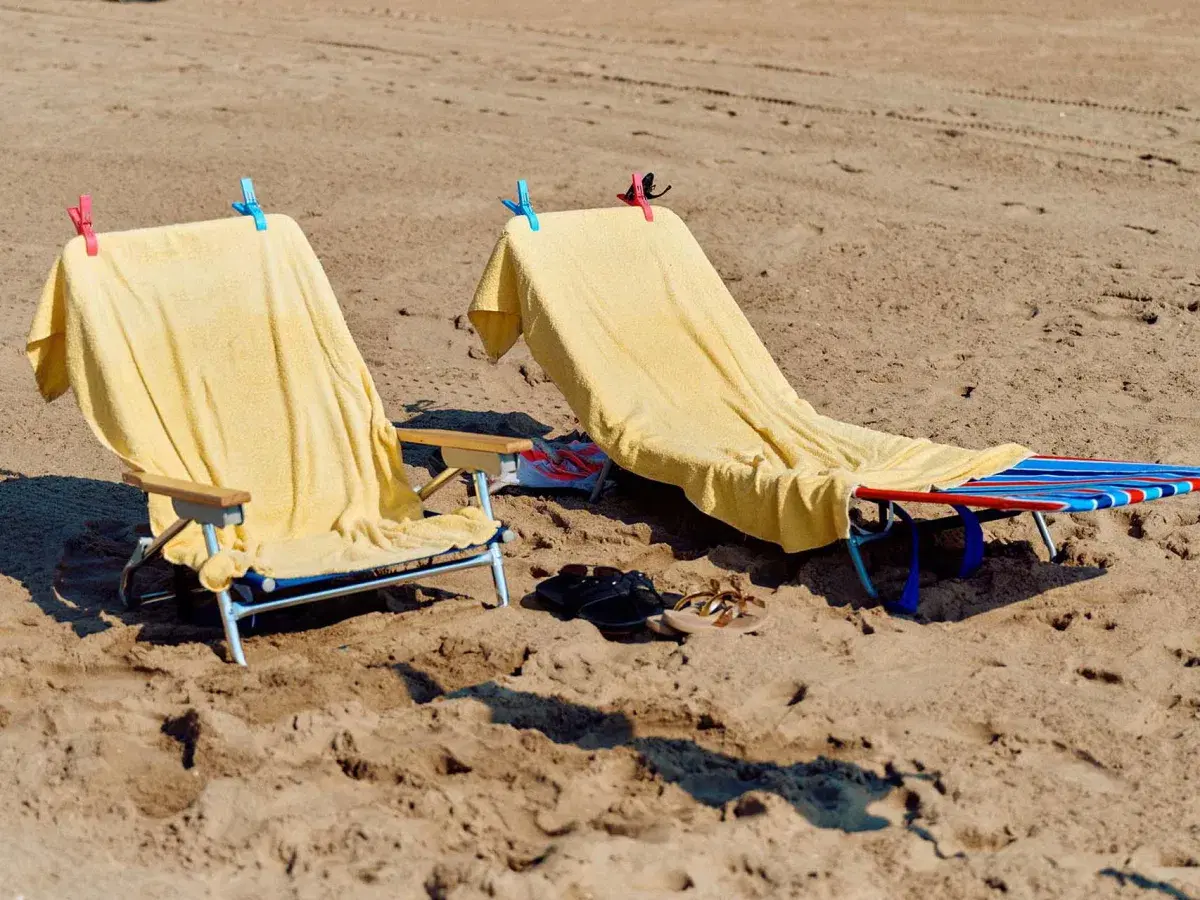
(225, 602)
(859, 537)
(438, 482)
(485, 503)
(498, 574)
(143, 553)
(481, 491)
(129, 599)
(1044, 531)
(853, 543)
(600, 481)
(232, 636)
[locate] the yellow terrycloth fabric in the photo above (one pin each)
(218, 354)
(635, 326)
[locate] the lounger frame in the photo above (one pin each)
(988, 510)
(862, 535)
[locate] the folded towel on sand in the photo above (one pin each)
(634, 325)
(218, 354)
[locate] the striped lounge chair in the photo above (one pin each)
(1039, 485)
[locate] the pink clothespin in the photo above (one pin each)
(81, 217)
(636, 196)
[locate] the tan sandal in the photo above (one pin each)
(716, 607)
(660, 627)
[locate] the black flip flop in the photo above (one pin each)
(612, 600)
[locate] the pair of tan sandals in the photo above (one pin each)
(715, 608)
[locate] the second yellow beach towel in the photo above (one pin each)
(636, 328)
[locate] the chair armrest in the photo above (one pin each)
(187, 491)
(462, 440)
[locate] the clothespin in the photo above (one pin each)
(81, 218)
(636, 196)
(641, 192)
(249, 205)
(522, 207)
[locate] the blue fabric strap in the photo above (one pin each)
(911, 595)
(973, 542)
(972, 559)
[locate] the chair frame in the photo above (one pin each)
(884, 527)
(212, 508)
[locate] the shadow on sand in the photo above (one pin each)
(46, 526)
(1147, 884)
(828, 793)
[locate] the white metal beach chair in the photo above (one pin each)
(214, 360)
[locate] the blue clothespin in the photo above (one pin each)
(523, 207)
(249, 205)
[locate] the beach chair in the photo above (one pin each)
(627, 316)
(213, 359)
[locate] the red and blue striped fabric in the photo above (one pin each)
(1058, 484)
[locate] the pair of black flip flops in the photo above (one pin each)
(612, 600)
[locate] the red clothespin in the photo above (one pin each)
(81, 217)
(636, 196)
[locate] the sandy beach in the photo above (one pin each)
(973, 222)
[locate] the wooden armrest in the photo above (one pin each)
(178, 489)
(462, 440)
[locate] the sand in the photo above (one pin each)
(975, 222)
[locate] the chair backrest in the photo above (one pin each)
(635, 326)
(218, 353)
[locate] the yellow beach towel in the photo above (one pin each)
(216, 353)
(636, 328)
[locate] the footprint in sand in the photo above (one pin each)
(1017, 208)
